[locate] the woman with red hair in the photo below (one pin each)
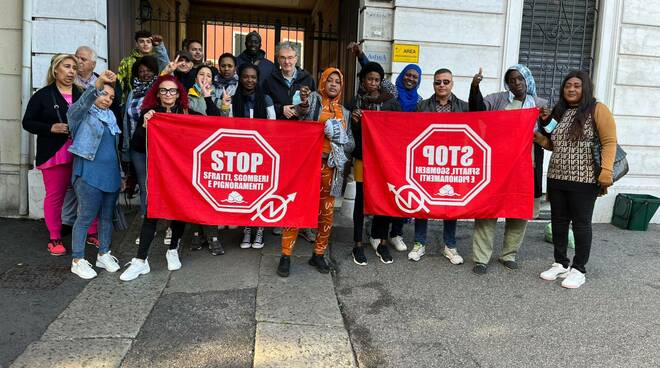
(166, 95)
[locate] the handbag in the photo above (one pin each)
(119, 219)
(620, 167)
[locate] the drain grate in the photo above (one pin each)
(38, 277)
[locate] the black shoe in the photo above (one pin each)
(66, 230)
(512, 265)
(215, 247)
(285, 265)
(197, 243)
(384, 254)
(318, 261)
(480, 269)
(358, 256)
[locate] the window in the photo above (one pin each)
(557, 37)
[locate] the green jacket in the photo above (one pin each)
(124, 74)
(201, 104)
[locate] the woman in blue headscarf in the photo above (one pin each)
(407, 84)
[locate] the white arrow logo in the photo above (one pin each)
(274, 214)
(414, 201)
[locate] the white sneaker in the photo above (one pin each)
(452, 255)
(258, 239)
(168, 236)
(137, 267)
(137, 240)
(574, 279)
(557, 270)
(107, 261)
(374, 242)
(417, 252)
(398, 244)
(173, 262)
(83, 269)
(247, 235)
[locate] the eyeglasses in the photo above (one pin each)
(440, 82)
(288, 58)
(168, 91)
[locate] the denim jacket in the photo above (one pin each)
(86, 130)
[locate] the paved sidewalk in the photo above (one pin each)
(34, 286)
(225, 311)
(234, 311)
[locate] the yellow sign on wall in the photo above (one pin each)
(405, 53)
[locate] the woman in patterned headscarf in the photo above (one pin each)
(326, 107)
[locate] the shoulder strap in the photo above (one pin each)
(592, 116)
(56, 106)
(317, 109)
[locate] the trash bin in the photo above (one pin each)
(634, 211)
(548, 235)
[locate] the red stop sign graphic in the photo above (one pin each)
(234, 170)
(449, 164)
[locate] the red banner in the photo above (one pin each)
(449, 165)
(234, 171)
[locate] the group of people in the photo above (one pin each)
(91, 136)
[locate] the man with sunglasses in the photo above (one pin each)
(443, 100)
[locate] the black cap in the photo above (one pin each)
(184, 54)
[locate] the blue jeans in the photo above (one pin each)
(92, 202)
(69, 207)
(139, 161)
(448, 232)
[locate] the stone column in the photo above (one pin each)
(60, 27)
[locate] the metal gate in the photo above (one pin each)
(228, 35)
(557, 36)
(322, 39)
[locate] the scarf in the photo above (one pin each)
(530, 99)
(408, 98)
(387, 91)
(330, 107)
(140, 88)
(243, 102)
(107, 117)
(196, 91)
(332, 115)
(221, 82)
(336, 133)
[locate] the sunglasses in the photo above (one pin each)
(440, 82)
(166, 91)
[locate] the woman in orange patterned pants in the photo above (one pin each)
(323, 106)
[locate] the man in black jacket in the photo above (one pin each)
(283, 85)
(253, 54)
